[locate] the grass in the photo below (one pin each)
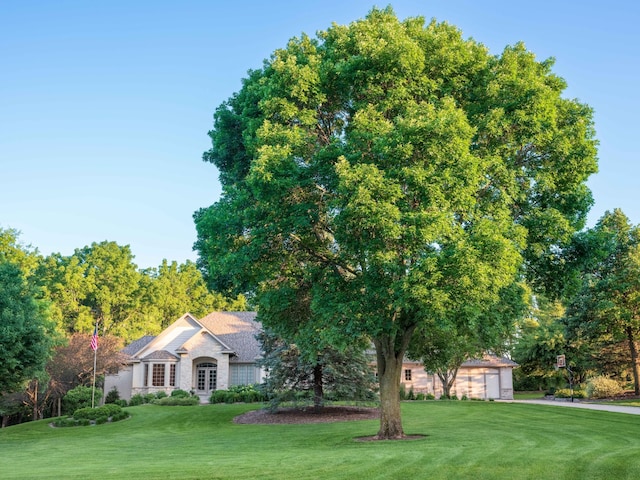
(475, 440)
(535, 395)
(634, 402)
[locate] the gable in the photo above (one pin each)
(238, 330)
(226, 332)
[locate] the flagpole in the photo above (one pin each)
(95, 357)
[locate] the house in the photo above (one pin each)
(212, 353)
(490, 377)
(221, 350)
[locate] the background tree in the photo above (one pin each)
(173, 290)
(26, 335)
(12, 250)
(541, 338)
(97, 283)
(607, 307)
(399, 168)
(446, 343)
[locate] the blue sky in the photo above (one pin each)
(105, 106)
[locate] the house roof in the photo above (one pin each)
(160, 355)
(238, 330)
(490, 361)
(137, 345)
(235, 331)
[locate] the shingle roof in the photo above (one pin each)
(490, 361)
(238, 330)
(137, 345)
(160, 355)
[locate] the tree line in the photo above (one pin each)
(592, 312)
(50, 305)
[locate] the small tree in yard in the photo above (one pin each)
(331, 373)
(392, 168)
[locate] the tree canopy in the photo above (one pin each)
(26, 335)
(606, 308)
(396, 171)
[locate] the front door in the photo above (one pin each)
(206, 377)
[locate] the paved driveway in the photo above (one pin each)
(588, 406)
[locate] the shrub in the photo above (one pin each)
(136, 399)
(420, 396)
(111, 409)
(79, 397)
(180, 393)
(121, 402)
(119, 416)
(430, 396)
(602, 387)
(148, 397)
(101, 419)
(87, 416)
(566, 393)
(113, 396)
(65, 422)
(403, 392)
(95, 413)
(177, 401)
(218, 396)
(248, 394)
(161, 394)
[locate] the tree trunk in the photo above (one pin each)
(318, 393)
(634, 360)
(35, 400)
(447, 377)
(390, 355)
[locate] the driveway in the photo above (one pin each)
(588, 406)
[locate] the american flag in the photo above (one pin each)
(94, 339)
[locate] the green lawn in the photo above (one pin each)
(626, 403)
(474, 440)
(528, 395)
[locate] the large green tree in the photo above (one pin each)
(396, 169)
(26, 335)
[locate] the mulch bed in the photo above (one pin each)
(311, 415)
(308, 415)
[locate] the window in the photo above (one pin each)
(407, 374)
(172, 375)
(145, 381)
(157, 378)
(206, 376)
(243, 374)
